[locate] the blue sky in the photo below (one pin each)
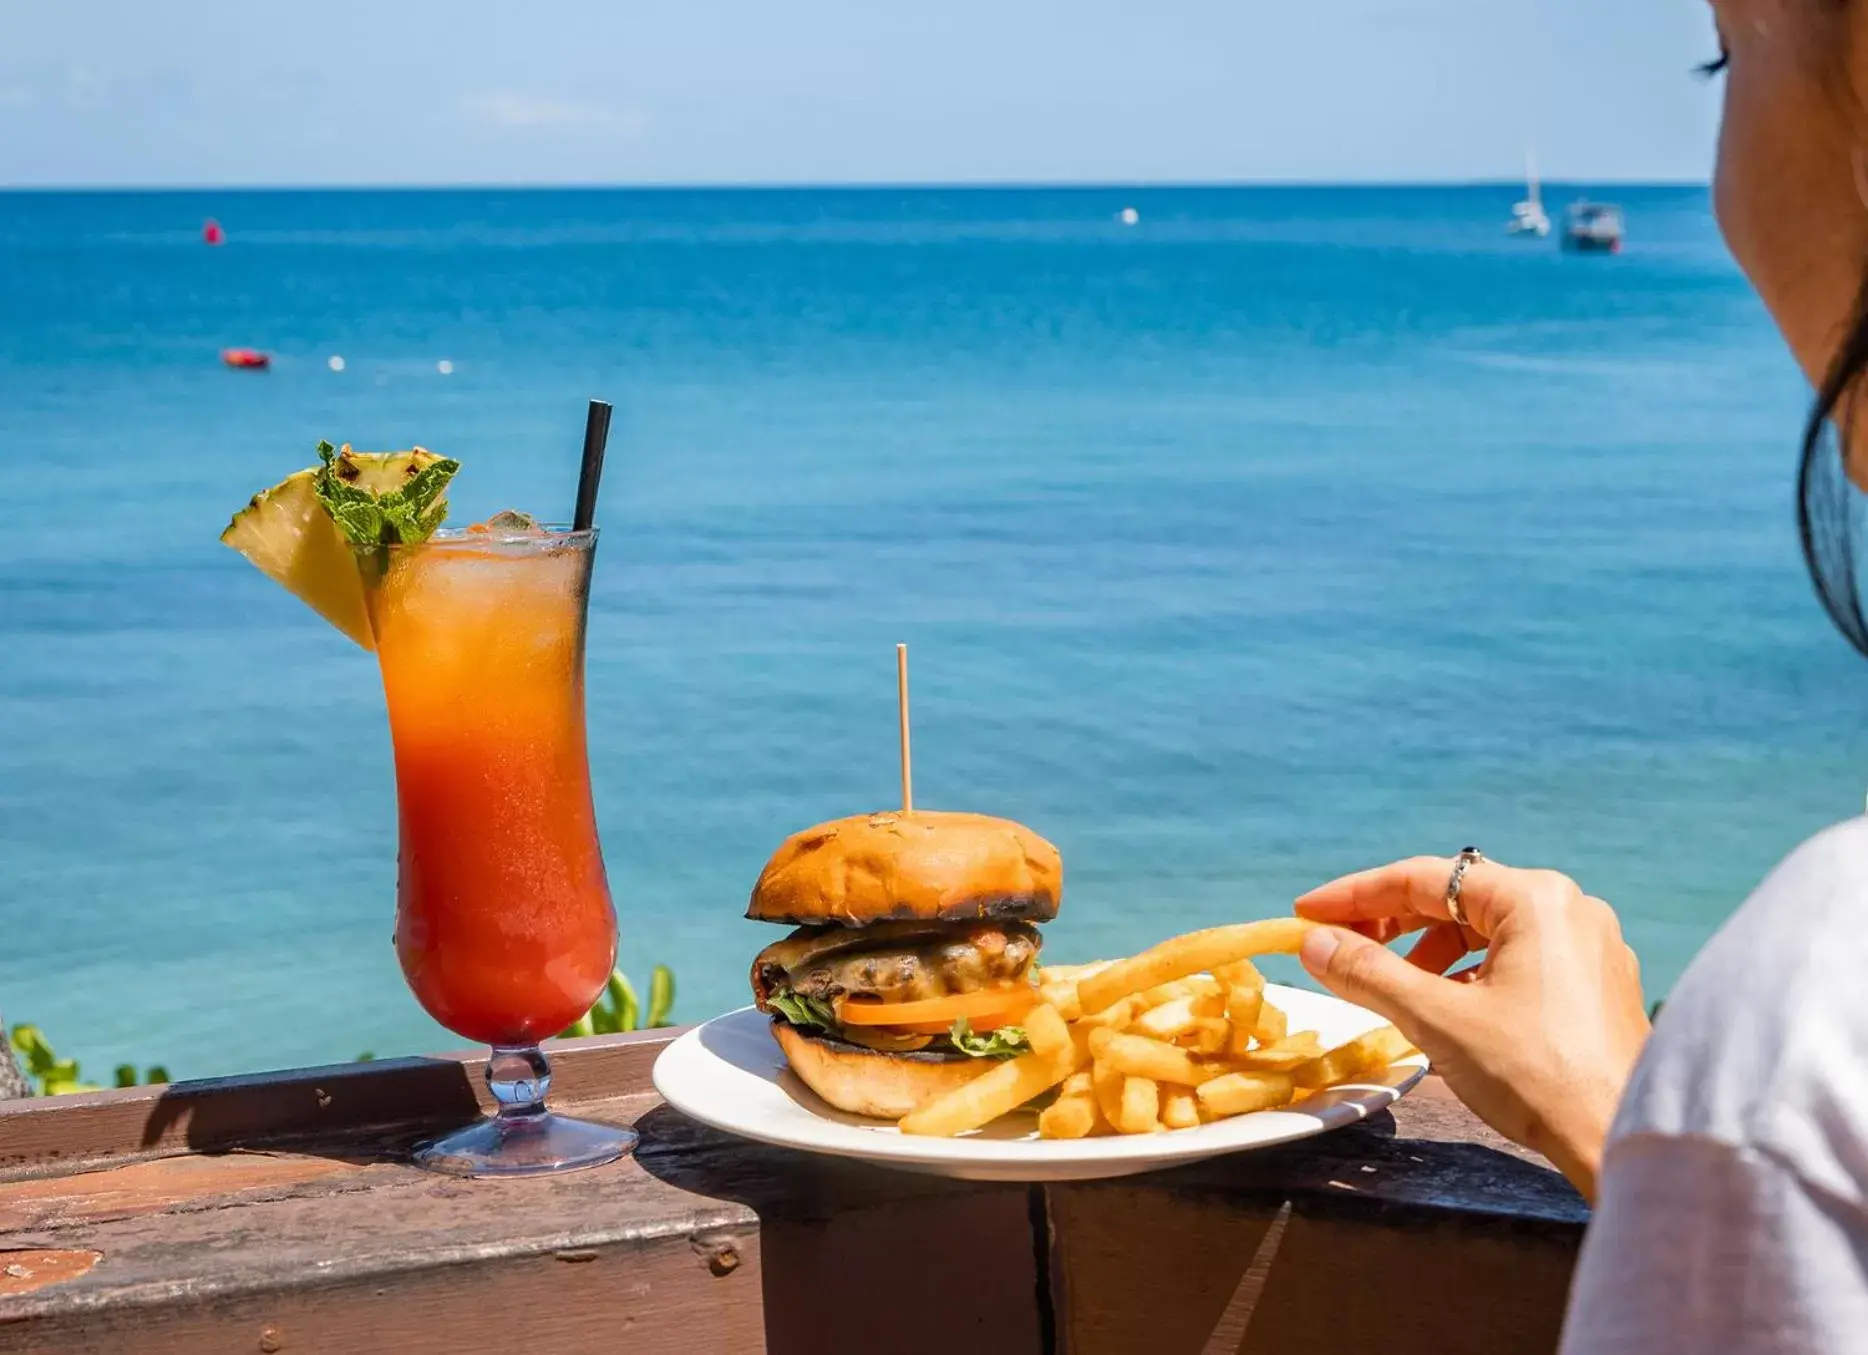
(812, 91)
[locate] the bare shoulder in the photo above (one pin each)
(1774, 1006)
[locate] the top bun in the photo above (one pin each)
(927, 866)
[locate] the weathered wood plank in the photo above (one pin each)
(653, 1296)
(202, 1252)
(280, 1212)
(305, 1104)
(1336, 1243)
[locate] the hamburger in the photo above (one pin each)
(912, 957)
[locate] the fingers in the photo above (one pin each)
(1440, 948)
(1395, 891)
(1372, 976)
(1413, 894)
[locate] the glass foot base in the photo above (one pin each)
(525, 1145)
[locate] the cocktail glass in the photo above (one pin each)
(504, 925)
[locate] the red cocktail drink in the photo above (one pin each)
(504, 925)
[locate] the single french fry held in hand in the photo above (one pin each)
(1369, 1053)
(1182, 956)
(1046, 1031)
(995, 1092)
(1180, 1109)
(1242, 1093)
(1140, 1057)
(1141, 1106)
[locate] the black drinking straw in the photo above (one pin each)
(596, 438)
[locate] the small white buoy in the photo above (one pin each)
(444, 367)
(335, 363)
(1128, 216)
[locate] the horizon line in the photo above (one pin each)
(833, 185)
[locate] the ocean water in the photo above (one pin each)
(1282, 533)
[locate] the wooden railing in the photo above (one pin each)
(278, 1213)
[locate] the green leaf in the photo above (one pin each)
(661, 995)
(403, 517)
(33, 1047)
(1007, 1042)
(803, 1011)
(156, 1075)
(623, 1001)
(126, 1075)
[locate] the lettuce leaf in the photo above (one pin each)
(1007, 1042)
(801, 1010)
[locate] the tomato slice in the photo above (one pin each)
(939, 1013)
(979, 1025)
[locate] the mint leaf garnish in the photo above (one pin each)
(406, 515)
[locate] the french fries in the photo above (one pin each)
(1137, 1056)
(1209, 1035)
(1180, 1108)
(1245, 994)
(1073, 1114)
(996, 1092)
(1176, 1017)
(1180, 957)
(1242, 1093)
(1364, 1054)
(1141, 1106)
(1282, 1056)
(1175, 1037)
(1106, 1086)
(1046, 1031)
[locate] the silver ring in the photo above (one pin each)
(1468, 858)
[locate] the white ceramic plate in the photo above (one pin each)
(730, 1074)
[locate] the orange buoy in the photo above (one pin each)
(246, 359)
(212, 233)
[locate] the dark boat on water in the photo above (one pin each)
(1593, 228)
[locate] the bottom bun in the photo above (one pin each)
(866, 1082)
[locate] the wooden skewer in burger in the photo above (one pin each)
(911, 963)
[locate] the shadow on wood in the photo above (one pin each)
(1345, 1242)
(857, 1259)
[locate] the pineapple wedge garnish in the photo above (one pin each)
(301, 532)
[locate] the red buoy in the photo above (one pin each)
(212, 233)
(246, 359)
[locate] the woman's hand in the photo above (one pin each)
(1541, 1041)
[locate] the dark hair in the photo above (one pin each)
(1829, 507)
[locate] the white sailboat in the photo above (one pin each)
(1528, 217)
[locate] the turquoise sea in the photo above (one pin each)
(1283, 532)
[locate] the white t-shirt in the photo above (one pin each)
(1733, 1209)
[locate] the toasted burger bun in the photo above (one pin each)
(864, 1082)
(892, 867)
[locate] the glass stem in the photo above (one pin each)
(519, 1076)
